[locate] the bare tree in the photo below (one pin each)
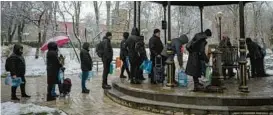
(108, 6)
(95, 3)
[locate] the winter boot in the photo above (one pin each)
(85, 91)
(23, 91)
(50, 98)
(198, 87)
(13, 94)
(105, 86)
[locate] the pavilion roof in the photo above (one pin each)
(200, 3)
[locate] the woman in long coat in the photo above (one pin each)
(53, 67)
(196, 56)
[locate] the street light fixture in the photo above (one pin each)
(219, 15)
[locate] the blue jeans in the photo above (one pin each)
(85, 75)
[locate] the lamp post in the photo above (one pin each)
(219, 16)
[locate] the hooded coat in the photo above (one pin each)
(176, 45)
(86, 60)
(130, 43)
(123, 49)
(16, 62)
(108, 50)
(196, 55)
(255, 51)
(53, 63)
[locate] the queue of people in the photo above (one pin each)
(132, 47)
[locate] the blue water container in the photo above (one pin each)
(182, 79)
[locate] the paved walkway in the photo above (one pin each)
(94, 103)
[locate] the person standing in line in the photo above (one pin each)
(107, 58)
(134, 59)
(53, 68)
(256, 56)
(86, 65)
(156, 47)
(197, 54)
(17, 67)
(123, 55)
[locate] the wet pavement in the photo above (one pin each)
(77, 103)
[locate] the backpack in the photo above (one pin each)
(100, 48)
(139, 47)
(8, 63)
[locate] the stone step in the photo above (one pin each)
(180, 109)
(206, 99)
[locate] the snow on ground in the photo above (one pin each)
(10, 108)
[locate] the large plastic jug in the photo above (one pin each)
(182, 79)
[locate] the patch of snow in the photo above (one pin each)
(10, 108)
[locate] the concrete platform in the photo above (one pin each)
(160, 99)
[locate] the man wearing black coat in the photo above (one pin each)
(256, 56)
(86, 65)
(53, 66)
(196, 55)
(123, 55)
(134, 58)
(17, 68)
(107, 58)
(156, 47)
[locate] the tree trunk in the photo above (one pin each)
(20, 31)
(39, 40)
(97, 17)
(11, 31)
(108, 6)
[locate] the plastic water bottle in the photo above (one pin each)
(182, 79)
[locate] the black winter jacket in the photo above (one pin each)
(86, 60)
(108, 50)
(123, 50)
(53, 63)
(17, 64)
(155, 46)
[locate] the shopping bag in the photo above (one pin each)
(13, 81)
(61, 76)
(111, 71)
(182, 78)
(146, 66)
(91, 74)
(208, 76)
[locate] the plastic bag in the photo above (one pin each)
(208, 75)
(61, 76)
(90, 75)
(146, 66)
(13, 81)
(182, 79)
(111, 71)
(127, 61)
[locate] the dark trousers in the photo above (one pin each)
(125, 67)
(151, 75)
(262, 70)
(50, 88)
(22, 87)
(135, 70)
(85, 75)
(255, 67)
(106, 70)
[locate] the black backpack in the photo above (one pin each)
(7, 63)
(140, 46)
(100, 48)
